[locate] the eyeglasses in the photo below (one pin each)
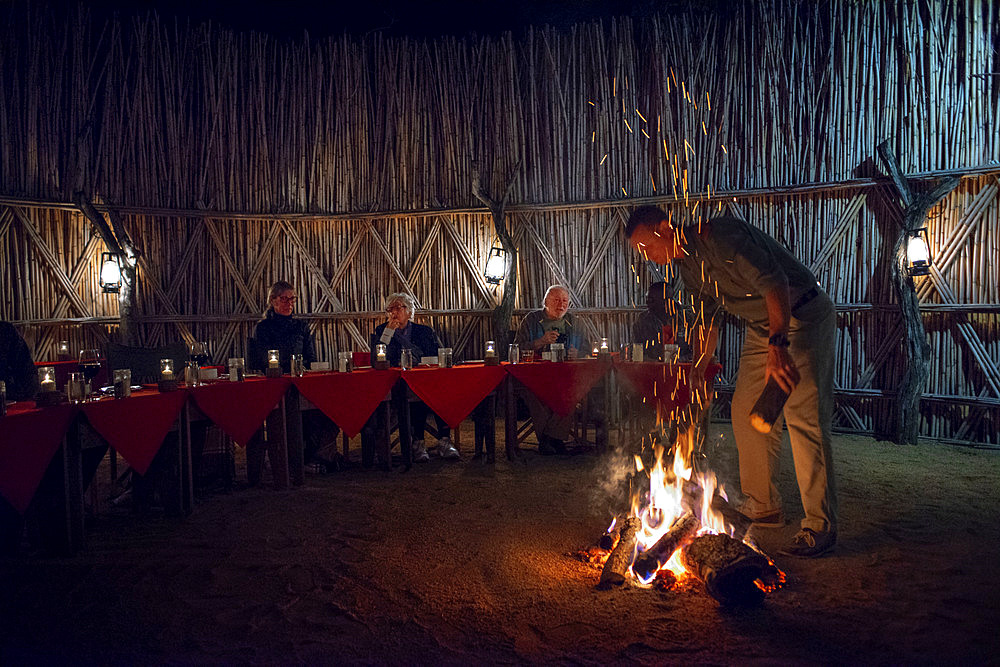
(394, 307)
(287, 299)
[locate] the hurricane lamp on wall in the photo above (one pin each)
(918, 254)
(111, 273)
(496, 264)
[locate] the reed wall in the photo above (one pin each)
(346, 166)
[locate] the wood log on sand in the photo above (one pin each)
(615, 570)
(730, 569)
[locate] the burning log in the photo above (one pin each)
(607, 541)
(615, 570)
(734, 574)
(652, 559)
(740, 522)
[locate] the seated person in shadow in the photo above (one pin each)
(399, 332)
(662, 323)
(553, 323)
(280, 331)
(17, 371)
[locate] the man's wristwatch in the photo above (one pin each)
(778, 340)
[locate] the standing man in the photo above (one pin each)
(791, 332)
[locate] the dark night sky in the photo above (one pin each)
(287, 19)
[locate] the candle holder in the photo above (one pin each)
(490, 357)
(381, 361)
(167, 382)
(62, 352)
(273, 364)
(604, 350)
(47, 394)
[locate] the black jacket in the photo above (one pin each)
(284, 333)
(17, 369)
(418, 337)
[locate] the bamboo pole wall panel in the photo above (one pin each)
(143, 113)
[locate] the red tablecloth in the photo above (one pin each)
(663, 385)
(239, 408)
(29, 438)
(136, 426)
(453, 392)
(560, 385)
(347, 398)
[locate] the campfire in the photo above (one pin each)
(682, 528)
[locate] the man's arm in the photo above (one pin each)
(780, 365)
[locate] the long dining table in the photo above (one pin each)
(33, 438)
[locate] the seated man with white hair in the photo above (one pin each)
(553, 323)
(399, 332)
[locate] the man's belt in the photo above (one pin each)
(805, 298)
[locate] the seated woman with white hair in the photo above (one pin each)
(399, 332)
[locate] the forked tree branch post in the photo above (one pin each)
(918, 350)
(119, 243)
(502, 313)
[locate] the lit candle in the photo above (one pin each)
(64, 347)
(272, 359)
(604, 346)
(47, 378)
(380, 352)
(167, 369)
(491, 349)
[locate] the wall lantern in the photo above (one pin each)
(111, 273)
(495, 265)
(918, 254)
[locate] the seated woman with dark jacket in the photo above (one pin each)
(399, 333)
(280, 331)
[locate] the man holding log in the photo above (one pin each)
(726, 264)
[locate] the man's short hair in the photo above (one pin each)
(405, 299)
(551, 289)
(644, 216)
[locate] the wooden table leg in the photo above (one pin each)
(277, 446)
(294, 437)
(510, 418)
(401, 404)
(382, 442)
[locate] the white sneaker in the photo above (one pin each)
(446, 450)
(419, 451)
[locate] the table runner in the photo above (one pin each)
(453, 392)
(136, 426)
(239, 408)
(348, 399)
(560, 385)
(29, 438)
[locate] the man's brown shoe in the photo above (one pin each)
(807, 543)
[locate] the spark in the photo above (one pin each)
(724, 149)
(624, 191)
(640, 116)
(644, 132)
(603, 159)
(627, 125)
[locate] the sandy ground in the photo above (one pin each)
(454, 563)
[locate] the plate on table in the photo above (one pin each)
(471, 361)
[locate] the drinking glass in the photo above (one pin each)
(298, 366)
(445, 359)
(90, 366)
(406, 359)
(76, 388)
(527, 355)
(199, 353)
(237, 370)
(513, 353)
(123, 382)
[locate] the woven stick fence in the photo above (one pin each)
(238, 160)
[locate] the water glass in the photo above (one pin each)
(237, 369)
(406, 359)
(445, 360)
(76, 388)
(298, 367)
(345, 362)
(123, 382)
(191, 370)
(514, 353)
(558, 352)
(670, 351)
(3, 398)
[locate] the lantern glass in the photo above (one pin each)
(495, 266)
(166, 367)
(273, 357)
(491, 348)
(111, 273)
(380, 352)
(47, 378)
(918, 255)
